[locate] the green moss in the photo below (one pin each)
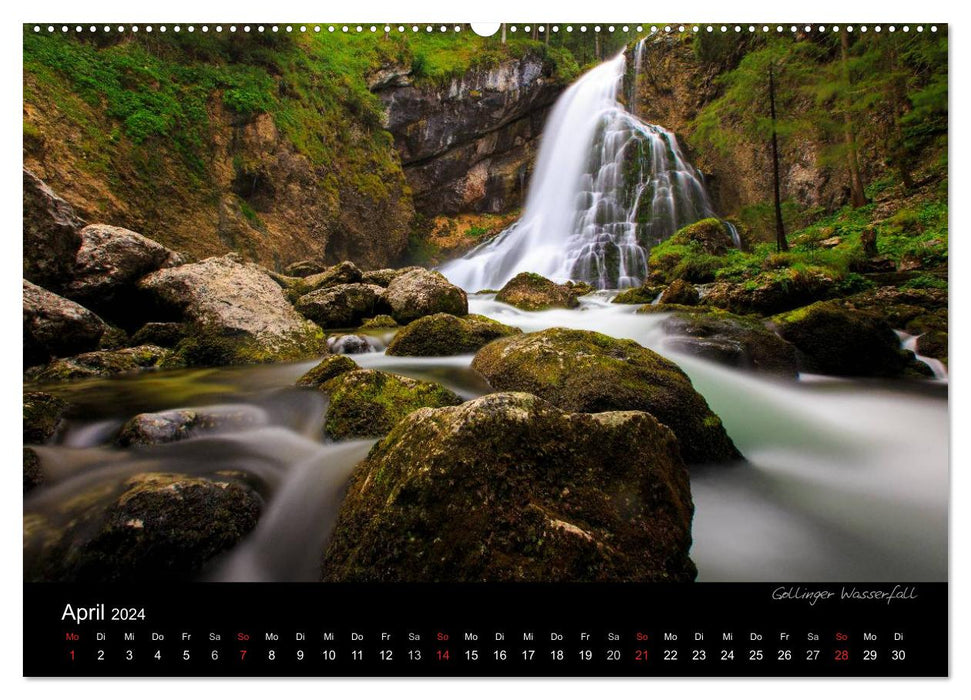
(444, 334)
(212, 346)
(328, 368)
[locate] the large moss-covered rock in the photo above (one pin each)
(368, 402)
(183, 423)
(645, 294)
(100, 363)
(710, 234)
(421, 292)
(43, 414)
(736, 341)
(304, 268)
(56, 327)
(679, 292)
(385, 276)
(532, 292)
(933, 344)
(379, 322)
(591, 372)
(50, 235)
(342, 273)
(834, 340)
(33, 473)
(444, 334)
(238, 314)
(165, 334)
(328, 368)
(773, 292)
(109, 262)
(161, 527)
(509, 488)
(343, 305)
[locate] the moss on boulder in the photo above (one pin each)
(590, 372)
(343, 305)
(709, 234)
(444, 334)
(680, 292)
(509, 488)
(645, 294)
(736, 341)
(217, 346)
(379, 322)
(161, 527)
(838, 341)
(532, 292)
(773, 292)
(100, 363)
(43, 414)
(33, 474)
(328, 368)
(368, 402)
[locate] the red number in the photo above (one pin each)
(443, 655)
(242, 654)
(640, 655)
(842, 655)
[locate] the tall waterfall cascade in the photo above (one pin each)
(606, 188)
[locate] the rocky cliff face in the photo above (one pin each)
(469, 146)
(675, 84)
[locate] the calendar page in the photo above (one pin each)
(513, 349)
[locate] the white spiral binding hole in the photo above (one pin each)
(512, 28)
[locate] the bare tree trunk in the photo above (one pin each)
(547, 37)
(596, 47)
(857, 193)
(782, 245)
(534, 35)
(503, 32)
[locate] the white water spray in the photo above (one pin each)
(607, 187)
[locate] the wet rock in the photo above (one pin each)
(679, 292)
(328, 368)
(163, 334)
(348, 344)
(341, 306)
(772, 292)
(33, 474)
(834, 340)
(678, 308)
(181, 424)
(162, 527)
(342, 273)
(731, 340)
(108, 264)
(379, 322)
(55, 326)
(43, 414)
(532, 292)
(100, 363)
(385, 276)
(368, 403)
(50, 235)
(444, 334)
(913, 310)
(590, 372)
(239, 315)
(304, 268)
(710, 235)
(509, 488)
(115, 338)
(645, 294)
(933, 344)
(423, 292)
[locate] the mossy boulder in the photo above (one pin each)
(342, 273)
(680, 292)
(915, 311)
(421, 292)
(532, 292)
(56, 327)
(384, 276)
(161, 527)
(589, 372)
(100, 363)
(328, 368)
(379, 322)
(181, 424)
(343, 305)
(679, 309)
(834, 340)
(237, 314)
(645, 294)
(444, 334)
(711, 235)
(165, 334)
(43, 415)
(304, 268)
(773, 292)
(509, 488)
(33, 473)
(933, 344)
(736, 341)
(368, 403)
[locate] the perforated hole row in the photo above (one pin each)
(513, 28)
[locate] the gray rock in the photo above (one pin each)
(181, 424)
(341, 306)
(100, 363)
(349, 344)
(51, 237)
(423, 292)
(55, 326)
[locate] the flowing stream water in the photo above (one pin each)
(845, 479)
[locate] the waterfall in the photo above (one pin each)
(607, 187)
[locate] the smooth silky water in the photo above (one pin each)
(844, 479)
